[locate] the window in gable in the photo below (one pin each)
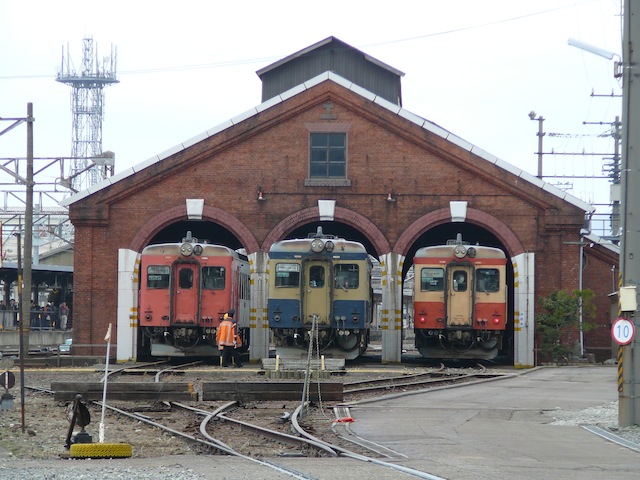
(328, 155)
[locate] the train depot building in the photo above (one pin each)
(332, 146)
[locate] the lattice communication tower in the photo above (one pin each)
(89, 165)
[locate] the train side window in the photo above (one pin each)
(213, 278)
(347, 276)
(158, 276)
(185, 278)
(287, 275)
(488, 280)
(459, 281)
(432, 279)
(316, 276)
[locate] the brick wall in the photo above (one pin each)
(269, 151)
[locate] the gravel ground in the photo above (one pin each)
(46, 426)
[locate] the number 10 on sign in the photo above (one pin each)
(623, 331)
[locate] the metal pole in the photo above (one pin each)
(104, 390)
(540, 135)
(20, 327)
(28, 221)
(580, 319)
(629, 398)
(582, 244)
(307, 374)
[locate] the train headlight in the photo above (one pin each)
(317, 245)
(276, 318)
(496, 320)
(355, 319)
(471, 252)
(148, 317)
(422, 319)
(186, 249)
(329, 246)
(197, 250)
(460, 251)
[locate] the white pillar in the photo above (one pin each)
(391, 324)
(524, 310)
(128, 281)
(258, 320)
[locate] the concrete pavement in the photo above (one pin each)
(497, 429)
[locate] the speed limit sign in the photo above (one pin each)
(623, 331)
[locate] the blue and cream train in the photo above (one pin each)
(324, 282)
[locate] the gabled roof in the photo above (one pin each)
(321, 43)
(332, 77)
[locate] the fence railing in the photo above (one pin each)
(38, 320)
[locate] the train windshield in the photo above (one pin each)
(432, 279)
(158, 276)
(213, 278)
(347, 275)
(185, 277)
(316, 274)
(488, 280)
(459, 281)
(287, 275)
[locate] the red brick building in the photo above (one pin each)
(401, 183)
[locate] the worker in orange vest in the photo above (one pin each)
(226, 338)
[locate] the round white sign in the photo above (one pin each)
(623, 331)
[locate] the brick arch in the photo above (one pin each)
(344, 215)
(213, 214)
(474, 216)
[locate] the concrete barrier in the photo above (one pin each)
(38, 339)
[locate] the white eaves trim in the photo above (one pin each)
(603, 243)
(330, 76)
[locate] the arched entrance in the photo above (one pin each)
(207, 224)
(477, 227)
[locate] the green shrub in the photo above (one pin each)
(558, 323)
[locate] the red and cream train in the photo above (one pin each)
(460, 301)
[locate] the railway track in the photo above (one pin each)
(411, 382)
(217, 427)
(267, 430)
(275, 429)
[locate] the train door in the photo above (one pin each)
(460, 302)
(185, 293)
(315, 300)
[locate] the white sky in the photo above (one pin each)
(476, 68)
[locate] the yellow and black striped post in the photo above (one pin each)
(620, 369)
(620, 351)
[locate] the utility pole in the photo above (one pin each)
(28, 229)
(629, 393)
(540, 120)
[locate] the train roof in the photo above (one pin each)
(442, 251)
(208, 249)
(303, 245)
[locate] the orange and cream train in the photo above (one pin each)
(185, 290)
(460, 301)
